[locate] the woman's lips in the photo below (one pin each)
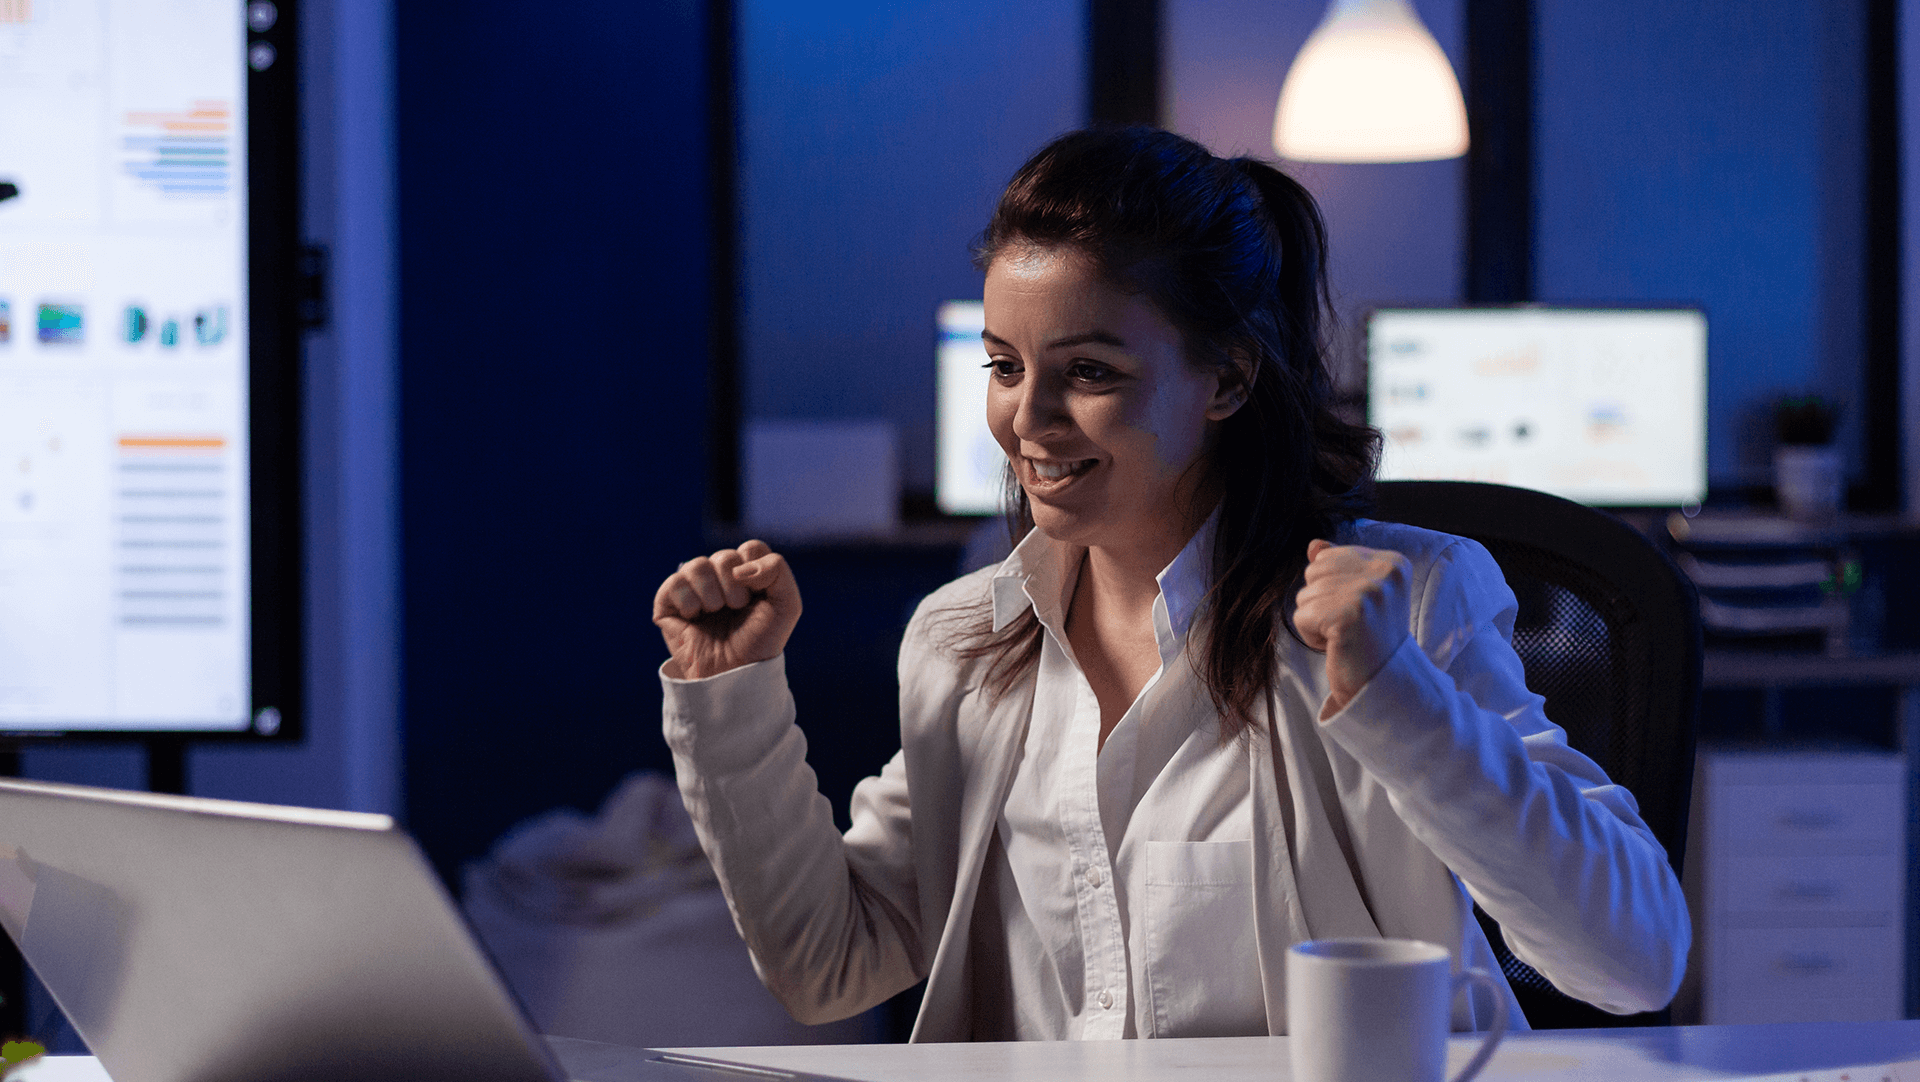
(1046, 476)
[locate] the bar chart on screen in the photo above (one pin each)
(171, 103)
(173, 559)
(180, 154)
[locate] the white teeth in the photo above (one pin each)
(1053, 471)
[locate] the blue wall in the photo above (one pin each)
(1712, 153)
(554, 303)
(874, 140)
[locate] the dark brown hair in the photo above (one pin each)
(1233, 254)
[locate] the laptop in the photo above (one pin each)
(198, 940)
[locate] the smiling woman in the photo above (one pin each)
(1203, 712)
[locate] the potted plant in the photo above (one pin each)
(1806, 464)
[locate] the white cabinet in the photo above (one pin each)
(1796, 876)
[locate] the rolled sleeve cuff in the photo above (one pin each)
(727, 722)
(1399, 717)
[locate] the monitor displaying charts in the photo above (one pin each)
(1603, 406)
(969, 466)
(126, 544)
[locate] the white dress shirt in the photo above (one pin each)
(1115, 900)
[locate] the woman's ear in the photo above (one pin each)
(1235, 385)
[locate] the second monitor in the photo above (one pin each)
(1599, 405)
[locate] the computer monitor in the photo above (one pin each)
(969, 466)
(1606, 406)
(149, 496)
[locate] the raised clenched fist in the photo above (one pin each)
(1355, 607)
(732, 608)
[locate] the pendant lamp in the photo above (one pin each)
(1370, 85)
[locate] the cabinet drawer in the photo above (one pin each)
(1806, 963)
(1732, 1011)
(1788, 814)
(1807, 884)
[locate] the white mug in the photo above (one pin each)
(1368, 1010)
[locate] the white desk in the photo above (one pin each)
(1815, 1052)
(1690, 1053)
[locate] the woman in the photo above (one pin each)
(1203, 711)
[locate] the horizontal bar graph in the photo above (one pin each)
(172, 530)
(184, 152)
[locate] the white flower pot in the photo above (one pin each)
(1808, 481)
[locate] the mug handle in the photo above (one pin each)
(1494, 1032)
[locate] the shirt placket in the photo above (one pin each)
(1096, 902)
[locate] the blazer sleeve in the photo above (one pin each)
(832, 921)
(1533, 829)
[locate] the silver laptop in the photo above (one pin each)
(197, 940)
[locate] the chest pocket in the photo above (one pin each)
(1199, 959)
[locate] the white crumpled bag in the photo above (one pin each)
(614, 929)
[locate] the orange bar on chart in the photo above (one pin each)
(173, 443)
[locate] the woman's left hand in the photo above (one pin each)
(1355, 607)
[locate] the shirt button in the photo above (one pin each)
(1106, 1000)
(1093, 876)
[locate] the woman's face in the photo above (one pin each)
(1091, 396)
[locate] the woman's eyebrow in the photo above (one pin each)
(1105, 338)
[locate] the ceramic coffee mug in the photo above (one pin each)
(1367, 1010)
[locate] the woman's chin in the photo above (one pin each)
(1064, 526)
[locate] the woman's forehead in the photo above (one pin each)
(1027, 259)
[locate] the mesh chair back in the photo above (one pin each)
(1609, 631)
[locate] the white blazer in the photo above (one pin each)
(1439, 784)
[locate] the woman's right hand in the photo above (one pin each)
(723, 611)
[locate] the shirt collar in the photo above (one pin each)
(1185, 582)
(1041, 572)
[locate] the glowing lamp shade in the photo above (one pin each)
(1370, 85)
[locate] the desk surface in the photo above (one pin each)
(1817, 1051)
(1813, 1052)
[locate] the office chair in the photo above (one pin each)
(1609, 631)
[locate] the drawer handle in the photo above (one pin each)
(1805, 964)
(1808, 890)
(1810, 819)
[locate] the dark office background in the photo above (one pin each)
(574, 249)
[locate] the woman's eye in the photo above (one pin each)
(1089, 372)
(1003, 368)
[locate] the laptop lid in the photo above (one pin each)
(196, 940)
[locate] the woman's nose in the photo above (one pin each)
(1042, 410)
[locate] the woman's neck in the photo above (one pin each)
(1126, 577)
(1124, 580)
